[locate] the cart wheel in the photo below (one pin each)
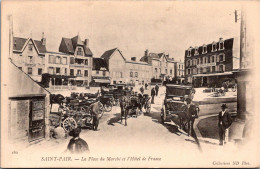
(89, 120)
(69, 124)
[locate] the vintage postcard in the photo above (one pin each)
(130, 84)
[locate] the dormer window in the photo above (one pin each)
(80, 52)
(214, 47)
(221, 44)
(196, 51)
(189, 51)
(204, 49)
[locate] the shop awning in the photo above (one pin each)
(214, 74)
(102, 80)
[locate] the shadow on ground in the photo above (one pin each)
(205, 130)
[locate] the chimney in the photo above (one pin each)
(43, 39)
(146, 52)
(133, 58)
(86, 42)
(220, 39)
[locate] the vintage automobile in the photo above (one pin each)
(173, 104)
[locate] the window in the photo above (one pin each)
(78, 72)
(51, 59)
(208, 69)
(30, 47)
(221, 68)
(72, 60)
(171, 71)
(65, 71)
(221, 45)
(39, 71)
(97, 72)
(213, 68)
(201, 60)
(86, 62)
(214, 47)
(155, 70)
(71, 72)
(131, 74)
(188, 71)
(64, 60)
(205, 60)
(204, 49)
(30, 59)
(136, 74)
(201, 70)
(121, 74)
(80, 52)
(86, 73)
(166, 71)
(213, 59)
(57, 70)
(29, 70)
(189, 53)
(104, 73)
(221, 58)
(58, 60)
(160, 70)
(179, 66)
(198, 61)
(196, 51)
(20, 68)
(208, 59)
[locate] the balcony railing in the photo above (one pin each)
(100, 77)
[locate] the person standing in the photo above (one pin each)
(76, 144)
(146, 85)
(224, 123)
(152, 94)
(192, 112)
(156, 89)
(142, 90)
(95, 109)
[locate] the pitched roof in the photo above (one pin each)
(106, 55)
(76, 41)
(160, 54)
(99, 63)
(18, 44)
(41, 48)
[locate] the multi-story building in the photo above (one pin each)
(208, 64)
(100, 73)
(162, 65)
(80, 59)
(126, 71)
(179, 72)
(29, 55)
(138, 73)
(116, 65)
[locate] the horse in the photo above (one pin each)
(124, 106)
(187, 117)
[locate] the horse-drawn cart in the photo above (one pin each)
(174, 105)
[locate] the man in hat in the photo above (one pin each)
(76, 144)
(192, 113)
(224, 123)
(156, 89)
(95, 109)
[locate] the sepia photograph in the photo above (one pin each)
(142, 84)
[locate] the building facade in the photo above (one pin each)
(29, 56)
(208, 64)
(80, 59)
(163, 67)
(126, 71)
(179, 72)
(100, 73)
(138, 73)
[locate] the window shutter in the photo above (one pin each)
(217, 58)
(224, 68)
(223, 57)
(216, 68)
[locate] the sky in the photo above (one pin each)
(132, 26)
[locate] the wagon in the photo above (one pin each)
(173, 104)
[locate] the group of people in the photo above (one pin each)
(154, 92)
